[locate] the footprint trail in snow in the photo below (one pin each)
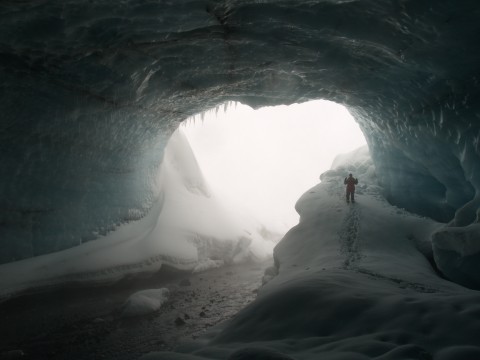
(349, 238)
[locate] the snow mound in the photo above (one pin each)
(457, 254)
(145, 302)
(352, 281)
(208, 264)
(185, 228)
(358, 163)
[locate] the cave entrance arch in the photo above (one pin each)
(264, 160)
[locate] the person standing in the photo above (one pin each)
(350, 181)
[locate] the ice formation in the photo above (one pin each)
(187, 228)
(91, 92)
(351, 282)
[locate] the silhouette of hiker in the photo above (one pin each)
(350, 181)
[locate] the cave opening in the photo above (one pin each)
(261, 161)
(91, 93)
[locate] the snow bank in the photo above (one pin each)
(187, 228)
(145, 302)
(208, 264)
(457, 254)
(352, 282)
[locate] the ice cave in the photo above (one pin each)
(93, 201)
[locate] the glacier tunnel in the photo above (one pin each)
(92, 91)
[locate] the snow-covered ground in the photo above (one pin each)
(355, 282)
(188, 228)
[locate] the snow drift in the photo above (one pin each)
(187, 228)
(91, 92)
(355, 281)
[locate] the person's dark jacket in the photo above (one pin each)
(350, 182)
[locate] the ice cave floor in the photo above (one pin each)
(86, 322)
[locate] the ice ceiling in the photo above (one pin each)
(91, 91)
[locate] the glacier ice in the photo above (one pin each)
(91, 92)
(188, 228)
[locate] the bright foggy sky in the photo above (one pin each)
(266, 159)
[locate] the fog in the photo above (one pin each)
(264, 160)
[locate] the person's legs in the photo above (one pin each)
(348, 195)
(352, 195)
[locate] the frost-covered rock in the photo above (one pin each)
(145, 302)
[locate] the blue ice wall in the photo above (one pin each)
(91, 91)
(69, 174)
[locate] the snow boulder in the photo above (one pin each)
(457, 254)
(145, 302)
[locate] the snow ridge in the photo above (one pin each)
(351, 283)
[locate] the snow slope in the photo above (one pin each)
(354, 282)
(91, 92)
(188, 228)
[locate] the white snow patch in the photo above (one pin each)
(145, 302)
(208, 264)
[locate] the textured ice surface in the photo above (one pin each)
(91, 91)
(353, 283)
(188, 228)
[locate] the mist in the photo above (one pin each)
(263, 160)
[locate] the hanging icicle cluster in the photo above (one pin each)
(210, 113)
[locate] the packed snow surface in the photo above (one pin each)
(353, 281)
